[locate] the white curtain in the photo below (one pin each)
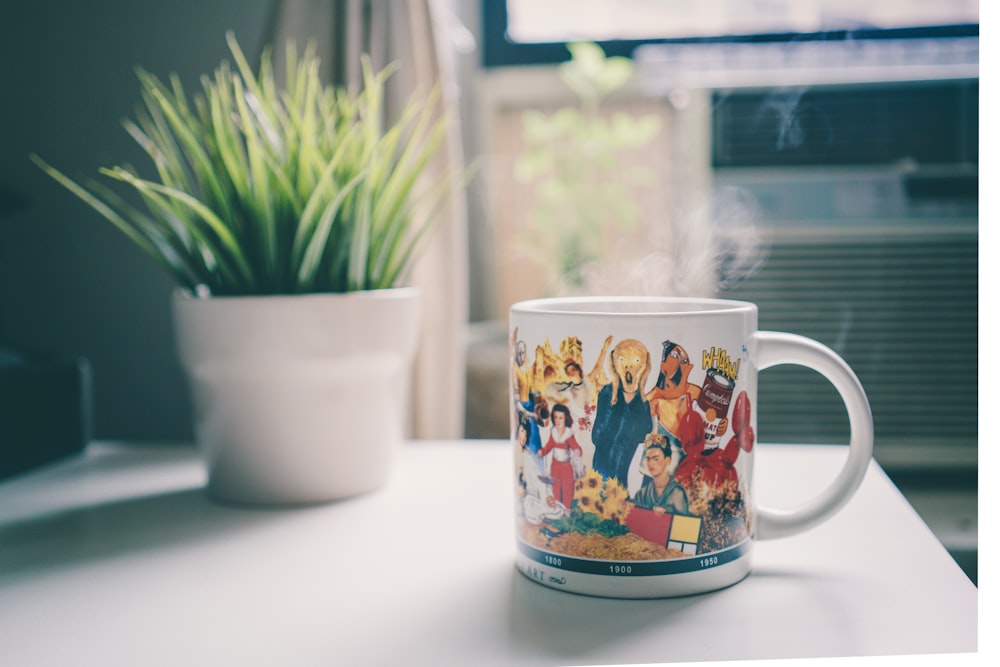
(417, 35)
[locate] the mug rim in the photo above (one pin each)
(631, 306)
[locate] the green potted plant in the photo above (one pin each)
(288, 216)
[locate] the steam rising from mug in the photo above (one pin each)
(697, 253)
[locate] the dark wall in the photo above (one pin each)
(70, 284)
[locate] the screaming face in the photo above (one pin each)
(630, 363)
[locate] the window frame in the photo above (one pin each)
(499, 51)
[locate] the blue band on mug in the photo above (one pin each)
(634, 568)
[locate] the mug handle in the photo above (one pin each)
(775, 348)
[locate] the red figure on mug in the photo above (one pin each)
(562, 444)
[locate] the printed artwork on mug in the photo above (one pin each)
(623, 458)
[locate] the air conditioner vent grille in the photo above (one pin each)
(902, 311)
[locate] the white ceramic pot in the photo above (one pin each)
(298, 399)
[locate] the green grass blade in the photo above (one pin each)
(360, 244)
(229, 145)
(220, 229)
(325, 183)
(258, 179)
(155, 126)
(318, 243)
(177, 249)
(108, 213)
(188, 133)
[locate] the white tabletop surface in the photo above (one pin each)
(119, 558)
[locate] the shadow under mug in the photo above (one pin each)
(633, 425)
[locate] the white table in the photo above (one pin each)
(119, 558)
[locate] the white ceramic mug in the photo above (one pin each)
(633, 425)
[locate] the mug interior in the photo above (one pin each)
(629, 305)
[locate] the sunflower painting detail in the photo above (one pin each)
(587, 491)
(606, 499)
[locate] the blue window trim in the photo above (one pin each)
(499, 51)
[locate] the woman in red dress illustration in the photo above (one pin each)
(562, 445)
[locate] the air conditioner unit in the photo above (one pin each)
(859, 164)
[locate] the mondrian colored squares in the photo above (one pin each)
(684, 532)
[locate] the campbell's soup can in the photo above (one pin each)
(716, 395)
